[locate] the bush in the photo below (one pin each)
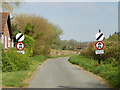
(0, 55)
(111, 52)
(14, 61)
(29, 44)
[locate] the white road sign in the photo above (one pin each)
(23, 52)
(99, 52)
(99, 36)
(20, 46)
(20, 37)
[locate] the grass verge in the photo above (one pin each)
(107, 71)
(19, 78)
(60, 56)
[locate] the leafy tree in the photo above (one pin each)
(39, 28)
(73, 44)
(69, 44)
(29, 29)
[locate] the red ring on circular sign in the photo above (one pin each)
(99, 42)
(22, 48)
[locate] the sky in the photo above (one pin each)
(78, 20)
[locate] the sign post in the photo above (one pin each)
(20, 45)
(99, 45)
(99, 59)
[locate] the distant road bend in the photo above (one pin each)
(59, 73)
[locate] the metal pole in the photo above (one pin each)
(99, 59)
(99, 30)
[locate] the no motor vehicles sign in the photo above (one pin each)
(20, 46)
(99, 45)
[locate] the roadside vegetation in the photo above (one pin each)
(107, 71)
(0, 63)
(20, 78)
(108, 68)
(40, 29)
(111, 49)
(41, 37)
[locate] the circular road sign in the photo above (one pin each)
(99, 45)
(99, 36)
(20, 37)
(20, 46)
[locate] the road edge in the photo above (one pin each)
(103, 81)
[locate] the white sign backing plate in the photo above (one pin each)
(23, 52)
(99, 52)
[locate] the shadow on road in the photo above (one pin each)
(73, 88)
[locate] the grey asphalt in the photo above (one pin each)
(59, 73)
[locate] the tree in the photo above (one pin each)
(73, 44)
(39, 28)
(10, 6)
(109, 36)
(69, 44)
(29, 29)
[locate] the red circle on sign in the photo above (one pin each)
(22, 47)
(97, 43)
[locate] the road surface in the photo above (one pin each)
(59, 73)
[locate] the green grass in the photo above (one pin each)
(0, 64)
(60, 56)
(37, 60)
(107, 71)
(19, 78)
(14, 79)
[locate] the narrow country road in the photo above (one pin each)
(59, 73)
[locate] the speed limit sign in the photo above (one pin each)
(99, 45)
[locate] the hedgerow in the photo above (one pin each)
(107, 71)
(14, 61)
(111, 51)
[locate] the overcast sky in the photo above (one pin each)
(79, 20)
